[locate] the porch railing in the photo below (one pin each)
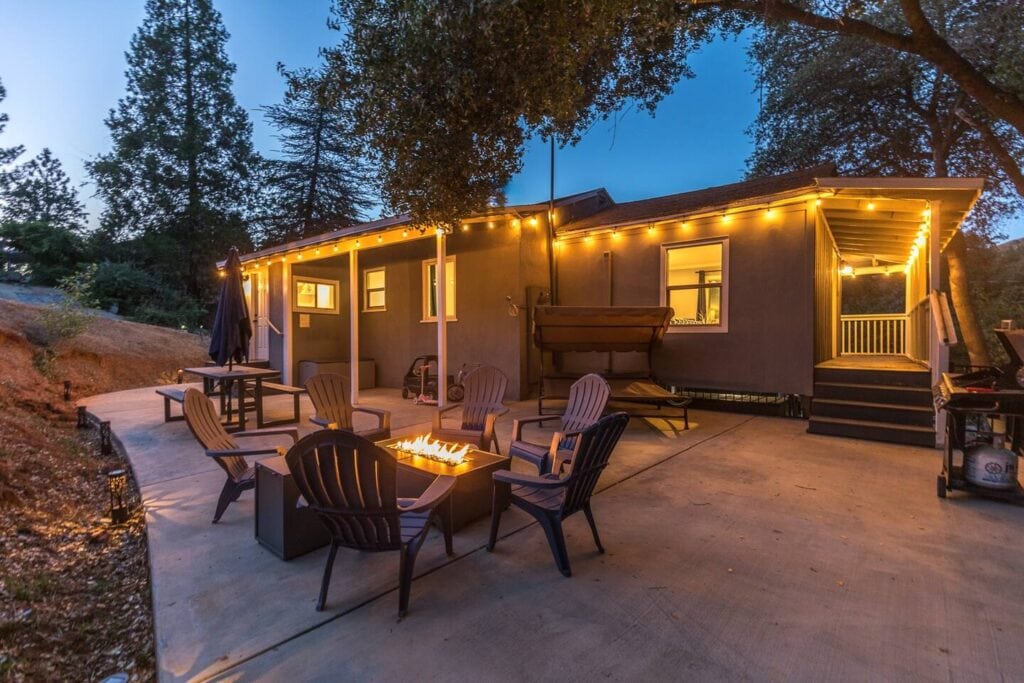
(873, 335)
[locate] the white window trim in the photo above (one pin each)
(723, 326)
(366, 291)
(296, 308)
(425, 286)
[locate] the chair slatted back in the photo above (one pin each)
(351, 484)
(329, 393)
(593, 451)
(588, 397)
(485, 391)
(204, 423)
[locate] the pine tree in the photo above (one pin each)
(320, 183)
(8, 154)
(39, 191)
(182, 165)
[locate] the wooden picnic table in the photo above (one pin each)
(241, 374)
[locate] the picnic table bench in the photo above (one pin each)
(172, 394)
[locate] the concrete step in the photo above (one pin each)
(899, 378)
(872, 431)
(889, 413)
(875, 393)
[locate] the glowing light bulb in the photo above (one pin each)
(490, 225)
(650, 229)
(726, 218)
(871, 206)
(769, 212)
(533, 221)
(357, 244)
(316, 252)
(405, 233)
(615, 234)
(465, 227)
(335, 247)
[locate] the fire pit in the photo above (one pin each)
(422, 458)
(432, 449)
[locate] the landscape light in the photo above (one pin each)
(83, 418)
(67, 390)
(106, 445)
(117, 487)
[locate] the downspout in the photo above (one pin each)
(611, 301)
(551, 229)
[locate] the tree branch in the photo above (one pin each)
(998, 149)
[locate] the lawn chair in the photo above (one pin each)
(482, 405)
(350, 484)
(204, 423)
(588, 397)
(550, 499)
(329, 393)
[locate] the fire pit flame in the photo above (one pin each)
(424, 446)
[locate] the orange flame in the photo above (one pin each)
(450, 454)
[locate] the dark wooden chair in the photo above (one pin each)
(350, 484)
(329, 393)
(587, 400)
(204, 423)
(481, 407)
(550, 499)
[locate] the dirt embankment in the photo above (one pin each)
(74, 591)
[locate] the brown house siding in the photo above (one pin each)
(769, 345)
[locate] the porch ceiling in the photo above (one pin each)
(876, 221)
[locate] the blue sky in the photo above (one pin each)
(62, 62)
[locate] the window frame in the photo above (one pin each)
(367, 308)
(723, 322)
(425, 282)
(296, 308)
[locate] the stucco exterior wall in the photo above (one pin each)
(769, 345)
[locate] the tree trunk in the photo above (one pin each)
(970, 329)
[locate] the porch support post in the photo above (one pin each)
(353, 326)
(286, 326)
(441, 276)
(938, 353)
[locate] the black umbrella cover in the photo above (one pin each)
(232, 329)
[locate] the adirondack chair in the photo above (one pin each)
(482, 405)
(550, 499)
(204, 423)
(329, 393)
(350, 484)
(587, 400)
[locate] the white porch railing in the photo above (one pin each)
(873, 335)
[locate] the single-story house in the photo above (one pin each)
(753, 271)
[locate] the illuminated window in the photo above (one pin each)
(373, 289)
(313, 295)
(695, 284)
(430, 289)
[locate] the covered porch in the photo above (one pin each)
(881, 345)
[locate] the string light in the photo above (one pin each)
(335, 248)
(299, 257)
(380, 238)
(357, 244)
(533, 221)
(817, 202)
(465, 227)
(316, 252)
(405, 233)
(725, 218)
(650, 229)
(587, 237)
(490, 225)
(684, 225)
(871, 206)
(615, 234)
(515, 223)
(769, 212)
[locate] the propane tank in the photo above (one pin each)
(991, 467)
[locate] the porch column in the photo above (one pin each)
(286, 327)
(938, 353)
(353, 327)
(441, 274)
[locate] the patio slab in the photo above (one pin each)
(220, 598)
(743, 549)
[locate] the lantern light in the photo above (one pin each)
(181, 375)
(117, 487)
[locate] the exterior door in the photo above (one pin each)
(257, 291)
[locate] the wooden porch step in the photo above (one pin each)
(912, 435)
(888, 413)
(893, 378)
(874, 393)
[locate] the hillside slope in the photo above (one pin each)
(74, 592)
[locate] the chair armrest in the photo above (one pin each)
(319, 421)
(517, 424)
(231, 452)
(383, 416)
(522, 479)
(441, 411)
(289, 431)
(435, 494)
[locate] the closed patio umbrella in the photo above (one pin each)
(232, 329)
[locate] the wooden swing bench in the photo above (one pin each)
(607, 329)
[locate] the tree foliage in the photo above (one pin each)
(7, 154)
(321, 181)
(180, 172)
(39, 191)
(447, 93)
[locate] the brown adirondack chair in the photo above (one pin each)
(588, 397)
(204, 423)
(482, 405)
(329, 393)
(350, 484)
(550, 499)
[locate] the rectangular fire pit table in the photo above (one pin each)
(471, 498)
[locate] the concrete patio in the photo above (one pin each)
(743, 548)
